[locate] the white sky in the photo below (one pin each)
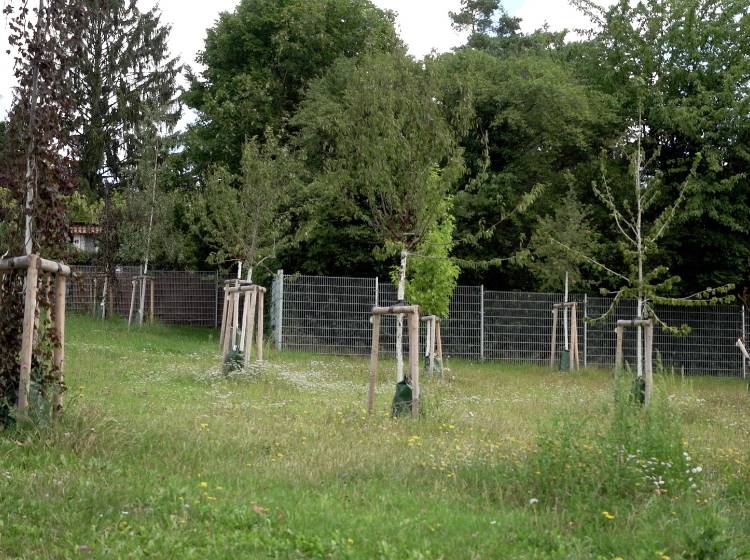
(423, 24)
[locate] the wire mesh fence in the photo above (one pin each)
(332, 315)
(180, 297)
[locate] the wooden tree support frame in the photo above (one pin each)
(648, 367)
(99, 300)
(412, 315)
(139, 288)
(252, 319)
(575, 359)
(434, 342)
(34, 266)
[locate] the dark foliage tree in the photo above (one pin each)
(260, 58)
(476, 16)
(527, 125)
(127, 69)
(688, 63)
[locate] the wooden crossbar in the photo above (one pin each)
(45, 265)
(396, 310)
(633, 322)
(247, 288)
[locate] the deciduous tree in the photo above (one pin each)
(376, 136)
(260, 58)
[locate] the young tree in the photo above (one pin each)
(571, 225)
(377, 135)
(246, 218)
(641, 218)
(39, 171)
(149, 210)
(432, 274)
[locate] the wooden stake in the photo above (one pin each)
(374, 351)
(553, 344)
(132, 304)
(249, 321)
(259, 331)
(27, 336)
(104, 299)
(413, 323)
(224, 311)
(243, 318)
(648, 372)
(142, 299)
(620, 330)
(574, 338)
(228, 330)
(439, 342)
(59, 352)
(93, 296)
(111, 297)
(431, 339)
(235, 316)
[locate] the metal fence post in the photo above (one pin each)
(376, 292)
(216, 299)
(481, 322)
(585, 331)
(278, 308)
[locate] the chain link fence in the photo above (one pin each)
(332, 316)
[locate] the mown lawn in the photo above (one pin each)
(160, 455)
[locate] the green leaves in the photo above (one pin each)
(432, 274)
(247, 217)
(375, 137)
(260, 59)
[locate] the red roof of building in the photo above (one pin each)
(85, 229)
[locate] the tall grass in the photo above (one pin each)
(160, 454)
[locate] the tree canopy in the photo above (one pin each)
(259, 60)
(507, 114)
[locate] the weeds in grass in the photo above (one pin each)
(160, 454)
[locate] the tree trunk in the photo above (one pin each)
(400, 296)
(245, 309)
(639, 241)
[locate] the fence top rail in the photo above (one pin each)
(324, 278)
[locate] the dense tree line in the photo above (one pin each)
(521, 131)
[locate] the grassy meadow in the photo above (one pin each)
(161, 455)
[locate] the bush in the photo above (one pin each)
(639, 455)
